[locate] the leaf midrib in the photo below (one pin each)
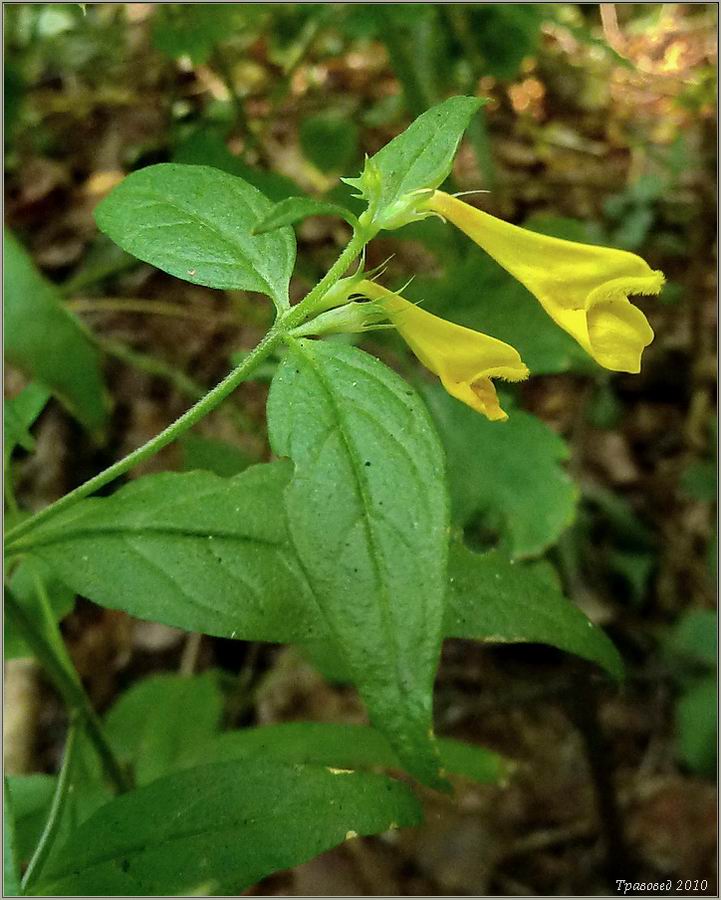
(365, 501)
(122, 531)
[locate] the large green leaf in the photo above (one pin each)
(192, 550)
(220, 828)
(210, 554)
(347, 747)
(367, 512)
(510, 473)
(419, 158)
(197, 224)
(161, 723)
(46, 341)
(494, 600)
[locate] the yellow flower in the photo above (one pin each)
(582, 287)
(463, 359)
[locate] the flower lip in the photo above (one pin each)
(463, 359)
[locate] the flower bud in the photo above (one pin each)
(350, 318)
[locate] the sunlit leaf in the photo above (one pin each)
(197, 224)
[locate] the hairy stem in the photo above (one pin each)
(197, 412)
(310, 302)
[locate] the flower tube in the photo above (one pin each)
(582, 287)
(463, 359)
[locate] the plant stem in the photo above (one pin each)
(197, 412)
(49, 650)
(52, 825)
(307, 306)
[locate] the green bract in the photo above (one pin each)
(402, 174)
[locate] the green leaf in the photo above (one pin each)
(218, 829)
(293, 209)
(161, 723)
(11, 858)
(191, 550)
(510, 473)
(494, 600)
(697, 726)
(196, 223)
(347, 747)
(212, 455)
(326, 658)
(367, 511)
(18, 416)
(419, 158)
(329, 141)
(46, 341)
(479, 294)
